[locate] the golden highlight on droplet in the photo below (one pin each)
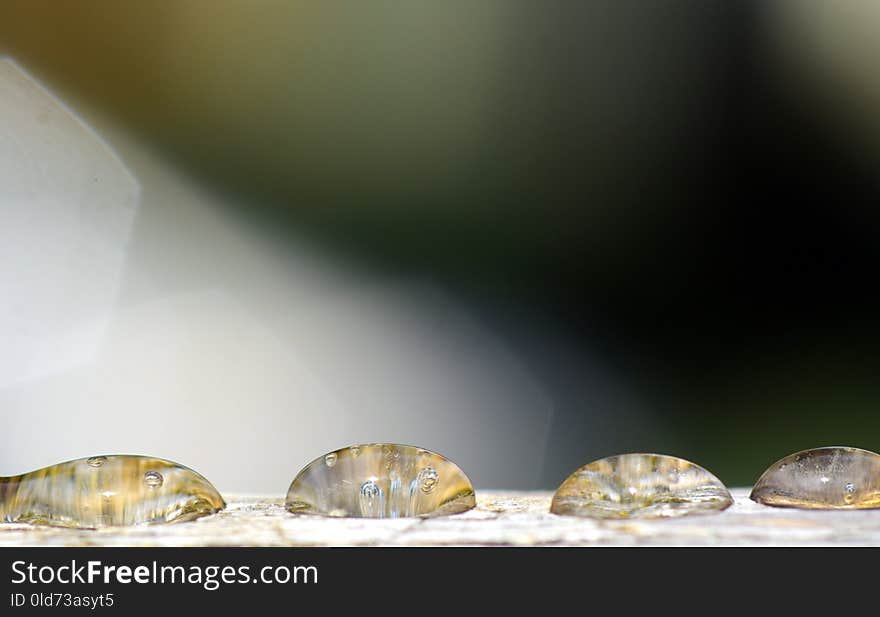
(640, 486)
(830, 478)
(108, 491)
(381, 480)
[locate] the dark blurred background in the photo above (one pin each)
(684, 190)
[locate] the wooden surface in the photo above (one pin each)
(500, 519)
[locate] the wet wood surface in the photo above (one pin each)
(501, 518)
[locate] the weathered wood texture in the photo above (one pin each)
(500, 519)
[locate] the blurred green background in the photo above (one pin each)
(686, 189)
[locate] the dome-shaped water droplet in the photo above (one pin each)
(105, 491)
(381, 481)
(330, 459)
(640, 486)
(813, 479)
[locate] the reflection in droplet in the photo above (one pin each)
(104, 491)
(640, 486)
(381, 481)
(822, 478)
(372, 500)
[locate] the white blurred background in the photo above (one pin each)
(137, 318)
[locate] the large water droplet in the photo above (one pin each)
(330, 459)
(381, 481)
(640, 486)
(813, 479)
(105, 491)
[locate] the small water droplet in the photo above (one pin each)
(330, 459)
(153, 479)
(96, 461)
(823, 478)
(428, 479)
(381, 480)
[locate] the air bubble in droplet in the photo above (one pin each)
(153, 479)
(330, 459)
(370, 489)
(428, 479)
(96, 461)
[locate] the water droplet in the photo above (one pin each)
(428, 479)
(153, 479)
(816, 483)
(104, 491)
(96, 461)
(330, 459)
(370, 486)
(638, 486)
(355, 450)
